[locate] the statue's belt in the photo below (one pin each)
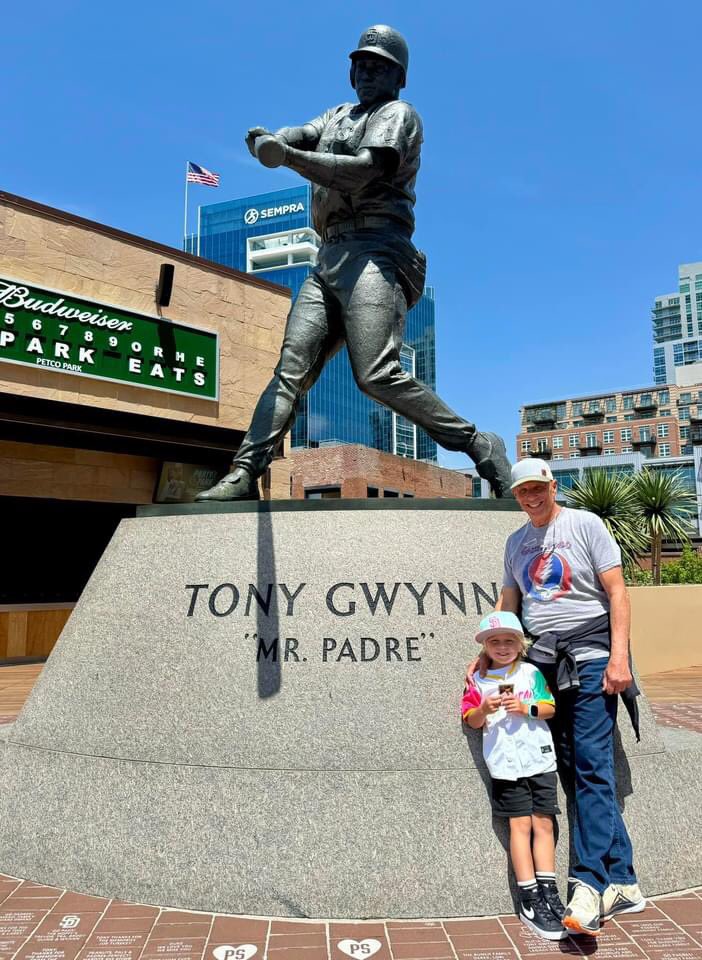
(365, 223)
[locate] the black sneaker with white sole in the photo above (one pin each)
(549, 891)
(536, 914)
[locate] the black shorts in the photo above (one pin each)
(527, 795)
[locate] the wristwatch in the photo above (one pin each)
(534, 710)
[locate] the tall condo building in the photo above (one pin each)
(655, 421)
(677, 330)
(271, 235)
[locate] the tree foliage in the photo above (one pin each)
(611, 497)
(640, 511)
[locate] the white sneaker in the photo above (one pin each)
(582, 914)
(622, 898)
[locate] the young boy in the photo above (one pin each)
(511, 703)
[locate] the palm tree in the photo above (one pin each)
(612, 497)
(665, 506)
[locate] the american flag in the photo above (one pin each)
(198, 174)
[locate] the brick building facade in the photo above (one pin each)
(661, 421)
(353, 471)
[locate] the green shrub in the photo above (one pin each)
(688, 569)
(636, 577)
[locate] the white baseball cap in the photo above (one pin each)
(530, 469)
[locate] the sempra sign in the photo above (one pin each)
(61, 332)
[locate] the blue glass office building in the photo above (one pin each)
(271, 235)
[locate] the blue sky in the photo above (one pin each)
(561, 179)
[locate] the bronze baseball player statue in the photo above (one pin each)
(362, 159)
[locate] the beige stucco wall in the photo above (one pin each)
(71, 257)
(666, 627)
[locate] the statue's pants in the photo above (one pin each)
(358, 294)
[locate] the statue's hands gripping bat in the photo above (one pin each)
(252, 135)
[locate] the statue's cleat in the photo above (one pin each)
(238, 485)
(488, 452)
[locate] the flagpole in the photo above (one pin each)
(185, 219)
(198, 229)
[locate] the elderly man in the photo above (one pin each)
(563, 570)
(362, 160)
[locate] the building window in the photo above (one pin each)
(526, 446)
(573, 440)
(686, 448)
(609, 451)
(684, 413)
(573, 456)
(590, 439)
(685, 398)
(610, 404)
(323, 493)
(625, 434)
(608, 436)
(665, 413)
(391, 493)
(628, 403)
(684, 433)
(626, 449)
(610, 419)
(630, 416)
(371, 492)
(664, 450)
(664, 396)
(662, 429)
(542, 445)
(476, 487)
(567, 479)
(557, 456)
(577, 408)
(557, 443)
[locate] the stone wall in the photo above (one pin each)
(67, 473)
(59, 251)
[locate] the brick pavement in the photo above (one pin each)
(686, 715)
(45, 923)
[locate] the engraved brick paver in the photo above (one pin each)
(46, 923)
(686, 715)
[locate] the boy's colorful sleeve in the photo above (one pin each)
(540, 689)
(471, 700)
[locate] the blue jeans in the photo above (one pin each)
(583, 731)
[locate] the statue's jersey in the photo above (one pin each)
(345, 130)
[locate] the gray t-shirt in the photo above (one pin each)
(345, 130)
(556, 570)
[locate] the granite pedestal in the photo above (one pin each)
(255, 709)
